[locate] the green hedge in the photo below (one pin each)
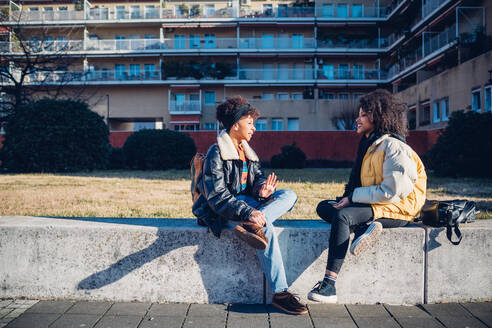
(55, 136)
(291, 157)
(158, 150)
(465, 147)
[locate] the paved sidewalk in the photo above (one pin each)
(67, 314)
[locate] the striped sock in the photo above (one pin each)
(330, 279)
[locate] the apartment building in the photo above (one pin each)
(167, 64)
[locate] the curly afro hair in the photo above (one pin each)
(225, 111)
(385, 111)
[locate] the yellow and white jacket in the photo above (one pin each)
(393, 180)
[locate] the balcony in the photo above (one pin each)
(91, 76)
(46, 16)
(281, 11)
(273, 74)
(340, 42)
(359, 11)
(185, 107)
(333, 74)
(171, 13)
(429, 6)
(277, 43)
(124, 45)
(433, 41)
(105, 14)
(50, 46)
(199, 43)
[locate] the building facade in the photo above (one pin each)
(167, 64)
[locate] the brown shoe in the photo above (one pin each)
(288, 303)
(252, 234)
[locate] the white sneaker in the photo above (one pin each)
(367, 239)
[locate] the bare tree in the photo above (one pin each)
(345, 113)
(33, 65)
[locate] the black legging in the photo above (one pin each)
(352, 217)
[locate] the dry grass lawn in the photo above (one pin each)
(166, 194)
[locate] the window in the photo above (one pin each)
(327, 10)
(343, 96)
(342, 10)
(282, 10)
(209, 10)
(412, 117)
(297, 41)
(343, 71)
(134, 12)
(357, 10)
(209, 126)
(194, 41)
(34, 9)
(488, 99)
(268, 9)
(357, 95)
(64, 8)
(283, 96)
(476, 101)
(283, 71)
(445, 109)
(277, 124)
(267, 72)
(137, 126)
(297, 96)
(120, 42)
(261, 124)
(209, 41)
(267, 96)
(179, 41)
(293, 124)
(358, 71)
(120, 12)
(436, 112)
(267, 41)
(149, 71)
(119, 71)
(134, 70)
(151, 12)
(424, 113)
(326, 95)
(210, 98)
(329, 71)
(187, 127)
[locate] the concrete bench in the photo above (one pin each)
(174, 260)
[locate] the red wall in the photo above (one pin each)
(332, 145)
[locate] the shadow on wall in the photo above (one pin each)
(229, 269)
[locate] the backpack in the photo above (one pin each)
(196, 168)
(449, 214)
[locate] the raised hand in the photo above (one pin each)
(269, 187)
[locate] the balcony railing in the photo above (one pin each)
(352, 43)
(42, 46)
(103, 75)
(199, 43)
(171, 13)
(360, 11)
(433, 41)
(46, 16)
(278, 12)
(276, 43)
(429, 6)
(276, 74)
(121, 45)
(350, 74)
(122, 14)
(185, 106)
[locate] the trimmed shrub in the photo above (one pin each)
(116, 159)
(159, 150)
(291, 157)
(55, 136)
(465, 147)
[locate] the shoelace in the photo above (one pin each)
(294, 298)
(320, 284)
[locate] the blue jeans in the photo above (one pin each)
(282, 201)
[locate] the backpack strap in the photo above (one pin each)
(449, 229)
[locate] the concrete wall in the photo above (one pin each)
(174, 260)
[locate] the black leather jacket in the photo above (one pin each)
(218, 185)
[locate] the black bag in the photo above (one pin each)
(449, 214)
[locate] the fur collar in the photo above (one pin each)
(229, 152)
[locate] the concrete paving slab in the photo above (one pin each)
(162, 321)
(5, 303)
(4, 312)
(365, 310)
(248, 310)
(15, 313)
(325, 322)
(289, 321)
(483, 311)
(76, 321)
(90, 307)
(458, 322)
(248, 321)
(178, 310)
(208, 310)
(328, 311)
(205, 322)
(418, 322)
(111, 321)
(30, 320)
(50, 307)
(446, 310)
(376, 322)
(458, 273)
(406, 311)
(129, 309)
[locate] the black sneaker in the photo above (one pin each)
(323, 292)
(364, 241)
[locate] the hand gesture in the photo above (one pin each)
(269, 187)
(342, 203)
(257, 217)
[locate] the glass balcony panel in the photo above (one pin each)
(327, 10)
(357, 10)
(267, 41)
